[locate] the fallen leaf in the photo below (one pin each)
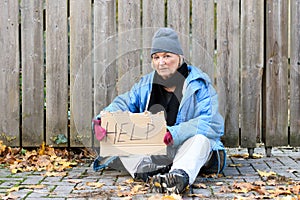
(95, 184)
(235, 165)
(266, 174)
(137, 188)
(197, 195)
(74, 180)
(219, 183)
(55, 174)
(34, 186)
(259, 183)
(225, 189)
(13, 189)
(200, 185)
(172, 197)
(10, 196)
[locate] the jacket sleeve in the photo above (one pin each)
(199, 115)
(124, 102)
(134, 100)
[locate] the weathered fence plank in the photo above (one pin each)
(9, 74)
(153, 17)
(56, 70)
(276, 99)
(178, 18)
(105, 53)
(81, 72)
(295, 74)
(105, 72)
(228, 68)
(129, 44)
(203, 36)
(252, 13)
(32, 72)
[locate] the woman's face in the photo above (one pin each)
(166, 64)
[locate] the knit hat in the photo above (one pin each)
(166, 40)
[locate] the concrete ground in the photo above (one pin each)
(275, 177)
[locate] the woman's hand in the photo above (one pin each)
(99, 132)
(168, 139)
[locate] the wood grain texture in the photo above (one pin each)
(9, 73)
(57, 74)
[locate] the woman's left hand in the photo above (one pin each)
(168, 139)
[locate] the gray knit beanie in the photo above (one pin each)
(166, 40)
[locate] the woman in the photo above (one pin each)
(194, 125)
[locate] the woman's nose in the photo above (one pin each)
(161, 61)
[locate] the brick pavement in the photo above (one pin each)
(82, 182)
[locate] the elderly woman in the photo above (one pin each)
(194, 125)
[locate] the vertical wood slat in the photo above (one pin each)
(178, 18)
(228, 68)
(153, 18)
(203, 36)
(129, 44)
(32, 72)
(105, 72)
(9, 73)
(251, 70)
(56, 70)
(295, 74)
(80, 72)
(276, 102)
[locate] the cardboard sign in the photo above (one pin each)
(133, 133)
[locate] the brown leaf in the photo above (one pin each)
(259, 183)
(95, 184)
(200, 185)
(225, 189)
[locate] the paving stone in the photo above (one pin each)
(22, 193)
(33, 180)
(205, 192)
(52, 179)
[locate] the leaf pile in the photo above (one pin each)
(45, 158)
(272, 186)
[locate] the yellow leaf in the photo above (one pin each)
(137, 188)
(129, 181)
(13, 189)
(172, 197)
(55, 173)
(42, 149)
(157, 184)
(235, 165)
(35, 186)
(95, 184)
(167, 198)
(266, 174)
(255, 155)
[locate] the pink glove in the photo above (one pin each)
(100, 132)
(168, 139)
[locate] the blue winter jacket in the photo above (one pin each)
(198, 110)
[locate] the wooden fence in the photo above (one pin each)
(62, 61)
